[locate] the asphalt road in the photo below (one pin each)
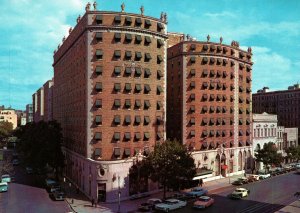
(266, 196)
(26, 195)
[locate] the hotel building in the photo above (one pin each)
(109, 97)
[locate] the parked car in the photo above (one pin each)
(203, 202)
(239, 193)
(58, 195)
(240, 181)
(140, 195)
(150, 204)
(170, 204)
(5, 178)
(3, 187)
(253, 178)
(180, 196)
(196, 192)
(54, 187)
(263, 175)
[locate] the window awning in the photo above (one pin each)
(159, 104)
(117, 19)
(160, 42)
(128, 54)
(138, 71)
(193, 72)
(148, 22)
(204, 121)
(242, 66)
(117, 35)
(99, 70)
(224, 109)
(205, 84)
(192, 121)
(219, 97)
(138, 38)
(98, 152)
(159, 135)
(192, 108)
(146, 151)
(232, 63)
(212, 47)
(159, 74)
(212, 132)
(219, 109)
(241, 143)
(212, 120)
(204, 145)
(240, 121)
(224, 97)
(138, 103)
(137, 135)
(128, 87)
(193, 47)
(148, 56)
(212, 85)
(146, 135)
(219, 60)
(117, 86)
(117, 119)
(138, 21)
(147, 88)
(99, 35)
(159, 89)
(127, 70)
(98, 119)
(192, 84)
(147, 103)
(117, 102)
(212, 97)
(138, 55)
(248, 79)
(138, 87)
(192, 96)
(127, 103)
(192, 133)
(117, 53)
(127, 119)
(212, 108)
(219, 48)
(204, 133)
(212, 60)
(98, 103)
(193, 59)
(98, 86)
(241, 133)
(205, 47)
(99, 52)
(117, 70)
(147, 119)
(205, 60)
(99, 17)
(204, 108)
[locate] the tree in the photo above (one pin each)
(40, 144)
(5, 129)
(170, 163)
(293, 153)
(268, 155)
(6, 166)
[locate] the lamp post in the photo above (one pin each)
(119, 195)
(221, 150)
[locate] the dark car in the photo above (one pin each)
(58, 195)
(237, 182)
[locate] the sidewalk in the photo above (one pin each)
(80, 204)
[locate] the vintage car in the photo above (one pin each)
(240, 181)
(196, 192)
(149, 205)
(3, 187)
(170, 204)
(5, 178)
(264, 175)
(239, 193)
(253, 178)
(203, 202)
(58, 195)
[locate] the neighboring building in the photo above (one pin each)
(48, 100)
(29, 113)
(10, 116)
(209, 103)
(284, 103)
(291, 137)
(264, 131)
(38, 105)
(109, 97)
(175, 38)
(21, 117)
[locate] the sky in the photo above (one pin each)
(30, 31)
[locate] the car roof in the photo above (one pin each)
(5, 175)
(172, 200)
(3, 184)
(204, 197)
(154, 199)
(240, 189)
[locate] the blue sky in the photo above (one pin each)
(31, 29)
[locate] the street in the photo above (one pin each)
(26, 194)
(266, 196)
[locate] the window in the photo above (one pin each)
(147, 23)
(212, 85)
(193, 72)
(117, 136)
(160, 27)
(117, 152)
(146, 120)
(128, 87)
(147, 57)
(192, 133)
(159, 59)
(137, 136)
(147, 40)
(204, 60)
(117, 103)
(137, 120)
(98, 103)
(137, 104)
(99, 36)
(117, 54)
(146, 136)
(192, 97)
(117, 119)
(138, 72)
(159, 105)
(138, 39)
(147, 104)
(98, 153)
(117, 37)
(204, 109)
(99, 54)
(211, 109)
(205, 85)
(99, 70)
(205, 47)
(138, 56)
(127, 136)
(127, 103)
(128, 21)
(192, 121)
(212, 60)
(159, 90)
(159, 136)
(192, 84)
(193, 59)
(160, 43)
(98, 87)
(117, 20)
(212, 97)
(224, 109)
(204, 122)
(138, 88)
(158, 120)
(127, 119)
(127, 151)
(128, 55)
(98, 136)
(127, 71)
(99, 19)
(117, 87)
(117, 71)
(138, 22)
(98, 119)
(147, 89)
(147, 73)
(159, 75)
(204, 97)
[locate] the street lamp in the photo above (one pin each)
(220, 150)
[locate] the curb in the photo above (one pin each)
(71, 207)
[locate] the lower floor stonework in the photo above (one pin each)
(109, 181)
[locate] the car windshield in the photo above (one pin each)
(171, 202)
(239, 190)
(197, 190)
(203, 199)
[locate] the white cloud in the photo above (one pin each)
(220, 15)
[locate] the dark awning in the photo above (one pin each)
(138, 38)
(117, 152)
(98, 136)
(128, 20)
(127, 119)
(137, 119)
(138, 55)
(99, 17)
(128, 37)
(138, 21)
(117, 19)
(147, 22)
(146, 135)
(117, 53)
(138, 103)
(127, 152)
(128, 87)
(117, 135)
(160, 26)
(99, 70)
(117, 35)
(205, 47)
(99, 52)
(148, 56)
(127, 70)
(98, 86)
(147, 39)
(128, 54)
(99, 35)
(137, 135)
(193, 59)
(127, 136)
(117, 70)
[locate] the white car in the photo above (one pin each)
(263, 175)
(5, 178)
(3, 187)
(240, 193)
(170, 204)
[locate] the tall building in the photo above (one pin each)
(209, 103)
(284, 103)
(48, 100)
(109, 97)
(38, 105)
(29, 113)
(9, 115)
